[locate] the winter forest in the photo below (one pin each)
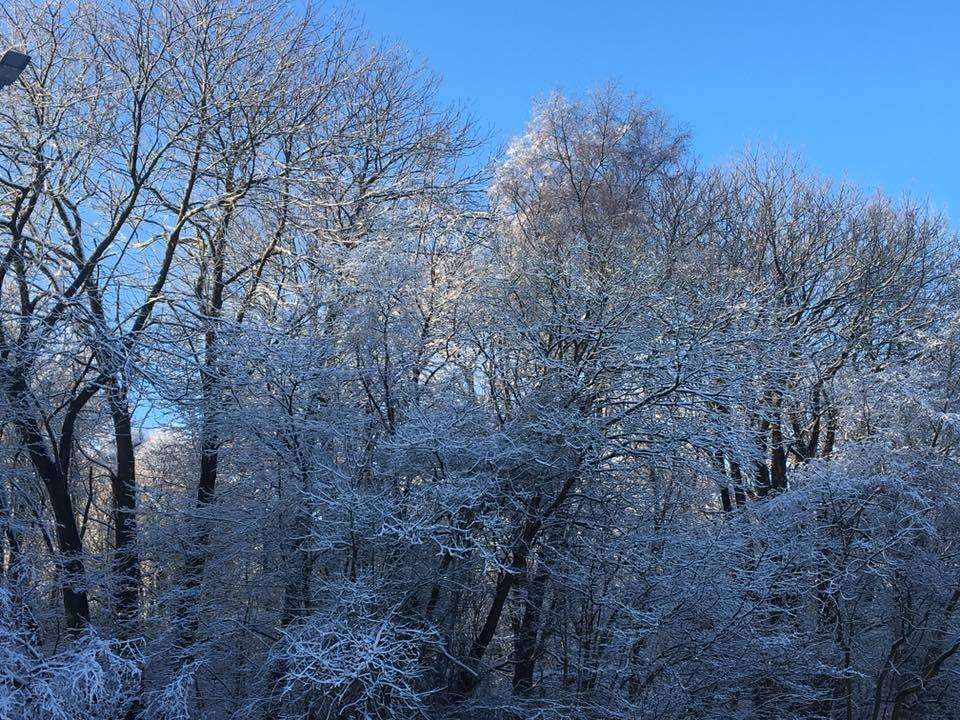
(307, 413)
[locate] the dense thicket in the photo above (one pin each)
(303, 418)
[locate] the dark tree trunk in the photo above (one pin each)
(739, 493)
(75, 604)
(469, 677)
(54, 473)
(209, 435)
(778, 459)
(11, 536)
(525, 641)
(762, 471)
(537, 513)
(778, 449)
(195, 560)
(721, 466)
(73, 576)
(830, 438)
(124, 487)
(296, 593)
(435, 590)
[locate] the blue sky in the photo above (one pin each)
(863, 90)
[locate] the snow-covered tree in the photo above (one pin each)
(303, 416)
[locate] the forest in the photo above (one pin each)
(307, 413)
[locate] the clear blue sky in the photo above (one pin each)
(864, 90)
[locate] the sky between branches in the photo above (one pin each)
(867, 91)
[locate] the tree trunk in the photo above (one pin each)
(778, 458)
(195, 560)
(73, 578)
(124, 487)
(525, 640)
(469, 678)
(54, 476)
(778, 449)
(209, 434)
(739, 493)
(830, 438)
(721, 466)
